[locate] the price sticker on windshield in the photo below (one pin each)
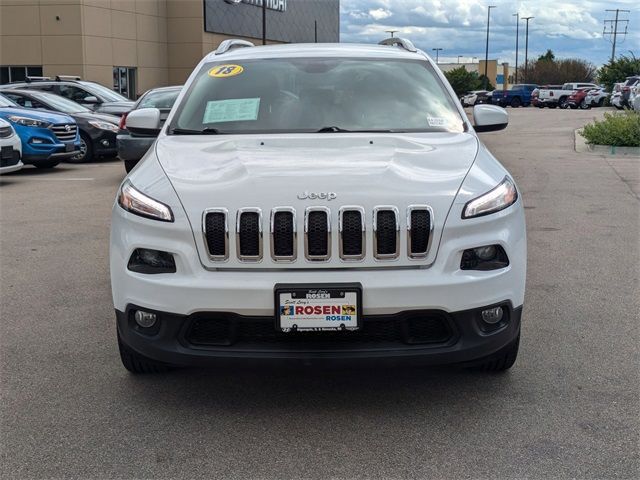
(224, 71)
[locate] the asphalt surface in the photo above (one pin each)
(569, 408)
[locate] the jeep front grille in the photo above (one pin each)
(352, 233)
(216, 233)
(249, 234)
(317, 233)
(65, 132)
(283, 234)
(386, 232)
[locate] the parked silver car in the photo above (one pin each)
(132, 147)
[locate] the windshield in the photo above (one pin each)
(106, 93)
(5, 102)
(59, 103)
(161, 99)
(312, 94)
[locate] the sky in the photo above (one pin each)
(572, 29)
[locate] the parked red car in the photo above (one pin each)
(577, 98)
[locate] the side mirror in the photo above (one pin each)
(489, 118)
(145, 121)
(91, 100)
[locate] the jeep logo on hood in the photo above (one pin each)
(317, 195)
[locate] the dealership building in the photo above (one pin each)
(134, 45)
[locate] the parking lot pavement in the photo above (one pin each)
(569, 407)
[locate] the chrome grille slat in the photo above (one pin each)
(64, 135)
(249, 234)
(317, 244)
(352, 230)
(283, 234)
(215, 229)
(386, 232)
(419, 230)
(317, 234)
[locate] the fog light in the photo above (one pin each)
(487, 257)
(492, 315)
(144, 260)
(36, 141)
(146, 319)
(486, 253)
(105, 143)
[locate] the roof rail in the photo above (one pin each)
(31, 78)
(402, 42)
(232, 43)
(67, 77)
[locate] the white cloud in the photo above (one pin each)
(379, 14)
(459, 26)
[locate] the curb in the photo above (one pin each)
(581, 146)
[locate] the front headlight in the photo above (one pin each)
(134, 201)
(501, 197)
(111, 127)
(29, 122)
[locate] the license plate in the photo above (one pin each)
(70, 147)
(318, 308)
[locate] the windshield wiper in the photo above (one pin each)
(187, 131)
(331, 130)
(344, 130)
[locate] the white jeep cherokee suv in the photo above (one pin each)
(318, 202)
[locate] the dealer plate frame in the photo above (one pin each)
(294, 287)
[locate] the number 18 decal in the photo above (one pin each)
(224, 71)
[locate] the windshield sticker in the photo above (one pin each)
(233, 110)
(224, 71)
(436, 122)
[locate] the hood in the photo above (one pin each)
(103, 117)
(46, 115)
(115, 108)
(363, 170)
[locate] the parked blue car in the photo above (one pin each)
(47, 137)
(516, 96)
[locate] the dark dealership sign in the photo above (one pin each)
(287, 20)
(279, 5)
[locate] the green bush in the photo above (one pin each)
(617, 129)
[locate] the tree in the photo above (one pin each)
(618, 70)
(547, 57)
(463, 81)
(547, 70)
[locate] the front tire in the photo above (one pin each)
(86, 150)
(515, 102)
(138, 364)
(584, 105)
(562, 103)
(501, 360)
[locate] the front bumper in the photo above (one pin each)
(426, 336)
(10, 159)
(133, 148)
(104, 143)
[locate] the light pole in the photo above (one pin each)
(526, 50)
(264, 22)
(391, 32)
(517, 15)
(437, 50)
(459, 57)
(486, 52)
